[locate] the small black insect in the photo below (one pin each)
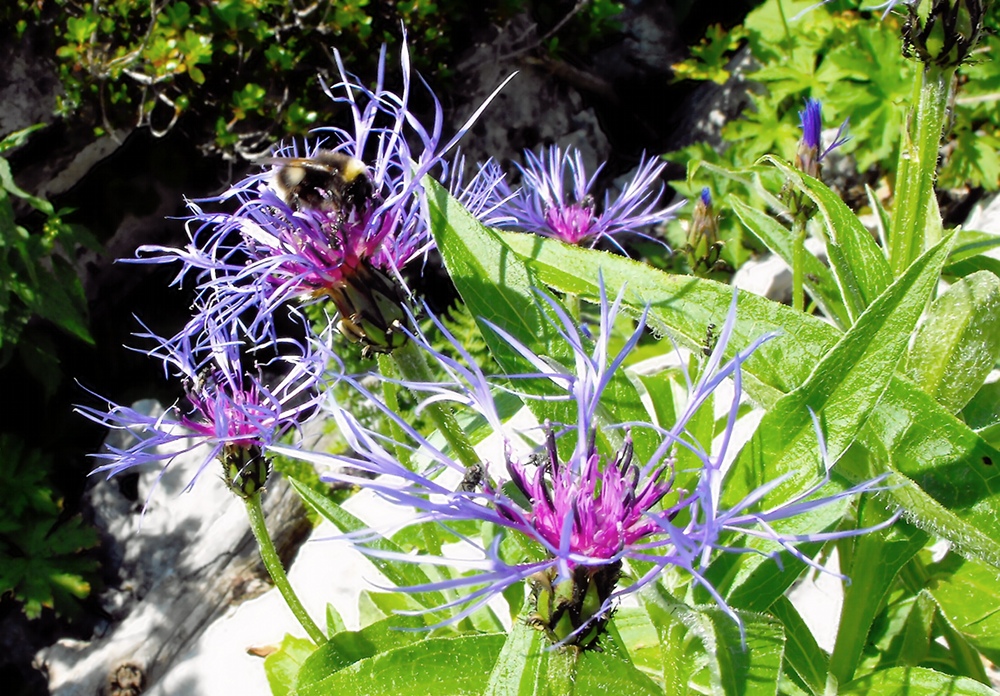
(473, 479)
(710, 340)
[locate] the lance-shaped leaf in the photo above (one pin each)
(529, 666)
(454, 665)
(914, 681)
(877, 559)
(722, 663)
(684, 307)
(959, 341)
(842, 391)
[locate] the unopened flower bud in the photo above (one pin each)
(942, 32)
(703, 245)
(245, 468)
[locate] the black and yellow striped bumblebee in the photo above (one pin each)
(328, 181)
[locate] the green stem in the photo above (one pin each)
(798, 263)
(389, 391)
(413, 366)
(273, 564)
(912, 231)
(572, 302)
(788, 42)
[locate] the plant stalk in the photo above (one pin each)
(913, 226)
(413, 366)
(272, 562)
(798, 263)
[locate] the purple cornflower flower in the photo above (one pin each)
(545, 206)
(811, 153)
(335, 220)
(228, 410)
(587, 512)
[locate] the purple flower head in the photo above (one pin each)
(324, 219)
(587, 508)
(811, 152)
(544, 205)
(231, 410)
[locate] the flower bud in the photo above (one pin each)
(942, 32)
(703, 245)
(245, 469)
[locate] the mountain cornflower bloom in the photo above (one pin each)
(811, 153)
(336, 219)
(587, 510)
(555, 200)
(234, 414)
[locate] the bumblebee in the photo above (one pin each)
(329, 181)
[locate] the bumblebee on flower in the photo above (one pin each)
(336, 218)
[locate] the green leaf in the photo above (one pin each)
(911, 645)
(399, 573)
(684, 306)
(723, 664)
(454, 666)
(334, 621)
(40, 560)
(529, 666)
(959, 342)
(983, 411)
(19, 137)
(914, 681)
(349, 647)
(641, 638)
(973, 243)
(966, 591)
(282, 667)
(497, 286)
(947, 475)
(859, 265)
(802, 652)
(877, 559)
(818, 279)
(7, 182)
(843, 391)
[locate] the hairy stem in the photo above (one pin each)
(914, 227)
(413, 366)
(273, 564)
